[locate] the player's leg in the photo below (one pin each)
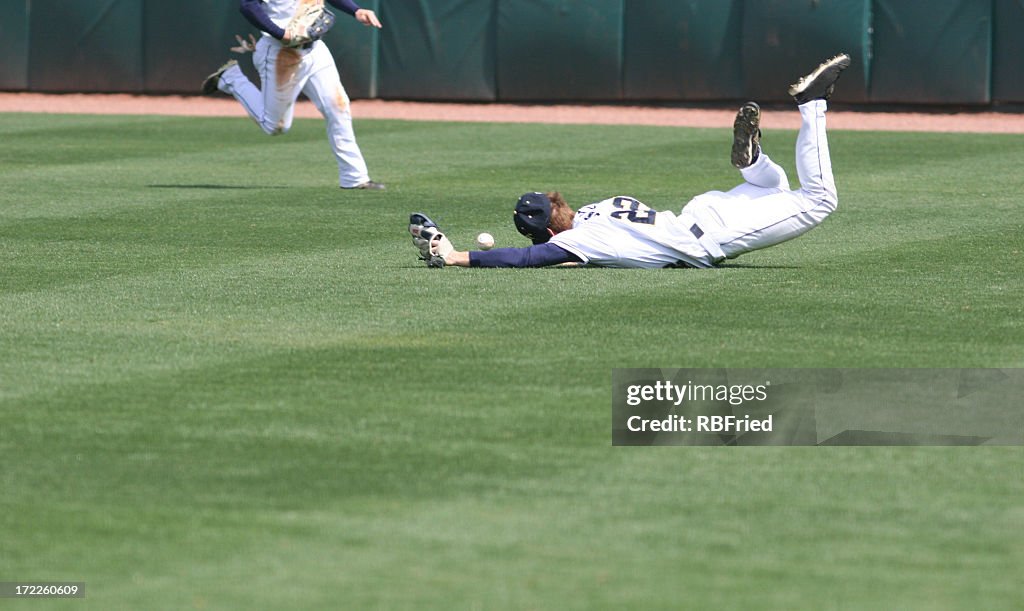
(325, 90)
(234, 83)
(761, 175)
(740, 225)
(280, 70)
(813, 160)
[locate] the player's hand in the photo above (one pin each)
(441, 247)
(245, 46)
(435, 248)
(368, 17)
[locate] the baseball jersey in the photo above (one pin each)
(273, 16)
(624, 232)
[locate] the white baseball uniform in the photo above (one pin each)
(286, 72)
(623, 232)
(761, 212)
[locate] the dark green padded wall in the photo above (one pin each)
(186, 41)
(85, 45)
(935, 52)
(785, 39)
(14, 44)
(212, 26)
(560, 49)
(1008, 52)
(683, 50)
(438, 50)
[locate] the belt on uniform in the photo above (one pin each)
(712, 247)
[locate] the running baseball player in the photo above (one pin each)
(624, 232)
(291, 59)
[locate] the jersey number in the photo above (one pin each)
(633, 211)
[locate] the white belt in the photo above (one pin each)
(707, 243)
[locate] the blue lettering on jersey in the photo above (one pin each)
(633, 211)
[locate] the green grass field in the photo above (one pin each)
(227, 384)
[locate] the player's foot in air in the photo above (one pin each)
(818, 85)
(746, 135)
(211, 82)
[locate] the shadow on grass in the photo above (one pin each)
(575, 267)
(756, 266)
(212, 187)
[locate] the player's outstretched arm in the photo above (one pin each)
(362, 15)
(437, 250)
(538, 255)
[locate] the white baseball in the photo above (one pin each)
(485, 241)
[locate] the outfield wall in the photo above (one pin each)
(936, 52)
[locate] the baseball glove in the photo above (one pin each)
(308, 25)
(434, 246)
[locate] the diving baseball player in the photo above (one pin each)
(291, 60)
(624, 232)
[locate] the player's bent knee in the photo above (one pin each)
(274, 129)
(826, 201)
(829, 203)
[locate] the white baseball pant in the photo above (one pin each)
(763, 211)
(285, 72)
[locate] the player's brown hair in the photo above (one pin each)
(561, 213)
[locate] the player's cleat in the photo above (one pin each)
(746, 135)
(818, 85)
(211, 82)
(369, 185)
